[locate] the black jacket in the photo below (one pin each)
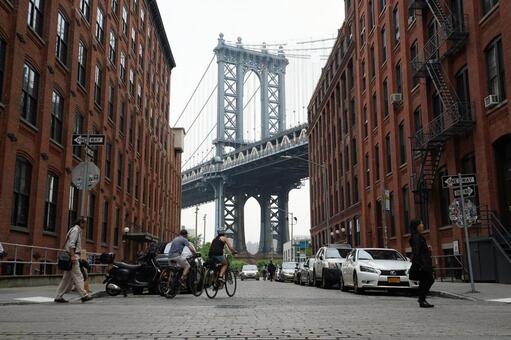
(271, 268)
(421, 256)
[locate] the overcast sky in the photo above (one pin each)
(192, 27)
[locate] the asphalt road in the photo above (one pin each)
(259, 310)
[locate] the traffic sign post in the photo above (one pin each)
(468, 191)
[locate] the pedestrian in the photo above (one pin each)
(73, 247)
(84, 269)
(271, 270)
(422, 266)
(264, 272)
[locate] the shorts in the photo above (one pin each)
(218, 259)
(180, 260)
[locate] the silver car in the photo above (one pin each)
(306, 277)
(287, 272)
(249, 271)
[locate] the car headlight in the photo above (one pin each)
(368, 269)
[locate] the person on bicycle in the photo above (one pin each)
(216, 253)
(176, 252)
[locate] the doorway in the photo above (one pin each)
(503, 165)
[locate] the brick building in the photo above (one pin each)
(412, 91)
(76, 67)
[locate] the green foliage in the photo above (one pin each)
(261, 263)
(237, 264)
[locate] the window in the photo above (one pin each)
(364, 74)
(122, 118)
(111, 102)
(90, 217)
(367, 170)
(98, 84)
(395, 21)
(133, 40)
(355, 190)
(366, 122)
(373, 63)
(3, 49)
(402, 143)
(406, 208)
(374, 108)
(57, 114)
(132, 83)
(130, 129)
(141, 56)
(137, 178)
(123, 67)
(354, 152)
(74, 194)
(385, 98)
(29, 94)
(85, 9)
(128, 178)
(113, 47)
(411, 12)
(371, 14)
(82, 62)
(488, 5)
(495, 69)
(444, 198)
(115, 6)
(139, 94)
(139, 138)
(100, 23)
(50, 205)
(399, 78)
(79, 122)
(108, 160)
(142, 18)
(388, 156)
(463, 90)
(377, 162)
(21, 199)
(104, 227)
(417, 119)
(35, 15)
(348, 194)
(125, 20)
(413, 55)
(382, 4)
(119, 170)
(117, 226)
(392, 215)
(135, 6)
(362, 30)
(437, 107)
(383, 45)
(62, 36)
(353, 112)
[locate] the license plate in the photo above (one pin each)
(394, 280)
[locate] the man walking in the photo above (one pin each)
(73, 276)
(271, 270)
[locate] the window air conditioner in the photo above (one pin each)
(491, 100)
(396, 98)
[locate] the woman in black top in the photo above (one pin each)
(216, 252)
(422, 267)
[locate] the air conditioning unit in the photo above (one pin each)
(396, 98)
(491, 101)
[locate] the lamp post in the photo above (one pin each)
(325, 189)
(126, 231)
(204, 235)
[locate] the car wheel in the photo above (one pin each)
(341, 285)
(315, 280)
(309, 281)
(356, 288)
(324, 282)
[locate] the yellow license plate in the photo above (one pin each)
(394, 280)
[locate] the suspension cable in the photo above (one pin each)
(195, 90)
(197, 148)
(202, 109)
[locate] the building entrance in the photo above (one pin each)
(503, 165)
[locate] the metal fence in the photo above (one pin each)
(449, 268)
(26, 261)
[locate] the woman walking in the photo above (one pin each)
(422, 267)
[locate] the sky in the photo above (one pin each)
(192, 28)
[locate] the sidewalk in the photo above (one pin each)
(21, 295)
(494, 292)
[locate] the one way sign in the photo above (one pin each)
(452, 181)
(88, 139)
(468, 191)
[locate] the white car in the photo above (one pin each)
(375, 268)
(249, 271)
(287, 272)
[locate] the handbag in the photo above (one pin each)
(64, 261)
(414, 272)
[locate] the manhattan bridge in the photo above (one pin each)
(248, 144)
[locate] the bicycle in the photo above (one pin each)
(211, 284)
(170, 285)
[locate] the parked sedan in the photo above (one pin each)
(249, 271)
(375, 268)
(306, 272)
(286, 272)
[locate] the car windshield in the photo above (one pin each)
(249, 267)
(335, 253)
(289, 265)
(380, 254)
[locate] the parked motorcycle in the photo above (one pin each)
(123, 276)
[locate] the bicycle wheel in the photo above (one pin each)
(172, 285)
(230, 283)
(163, 282)
(197, 281)
(210, 286)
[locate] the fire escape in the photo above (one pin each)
(455, 118)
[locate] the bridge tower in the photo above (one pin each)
(234, 62)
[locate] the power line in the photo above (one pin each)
(195, 90)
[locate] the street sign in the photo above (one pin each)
(456, 215)
(77, 175)
(468, 191)
(88, 139)
(455, 247)
(89, 152)
(452, 181)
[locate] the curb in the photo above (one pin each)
(96, 295)
(449, 295)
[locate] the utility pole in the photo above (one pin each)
(196, 216)
(204, 236)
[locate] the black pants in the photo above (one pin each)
(426, 280)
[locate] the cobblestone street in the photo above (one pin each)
(262, 310)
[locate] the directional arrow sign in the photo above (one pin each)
(452, 181)
(88, 139)
(468, 191)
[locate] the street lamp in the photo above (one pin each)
(204, 236)
(126, 231)
(325, 189)
(344, 232)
